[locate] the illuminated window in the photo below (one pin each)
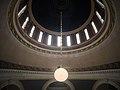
(86, 34)
(40, 37)
(32, 31)
(78, 38)
(68, 41)
(49, 39)
(25, 23)
(100, 3)
(99, 16)
(59, 41)
(22, 11)
(94, 27)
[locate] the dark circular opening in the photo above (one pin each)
(47, 13)
(61, 4)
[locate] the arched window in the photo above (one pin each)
(12, 85)
(54, 85)
(106, 85)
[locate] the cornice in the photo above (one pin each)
(8, 65)
(6, 74)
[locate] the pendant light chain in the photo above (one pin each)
(61, 32)
(61, 74)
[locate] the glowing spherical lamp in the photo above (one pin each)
(61, 74)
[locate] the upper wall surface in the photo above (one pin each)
(11, 50)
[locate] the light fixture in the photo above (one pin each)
(61, 74)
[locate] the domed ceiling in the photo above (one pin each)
(27, 49)
(83, 24)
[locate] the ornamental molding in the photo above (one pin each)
(7, 74)
(8, 65)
